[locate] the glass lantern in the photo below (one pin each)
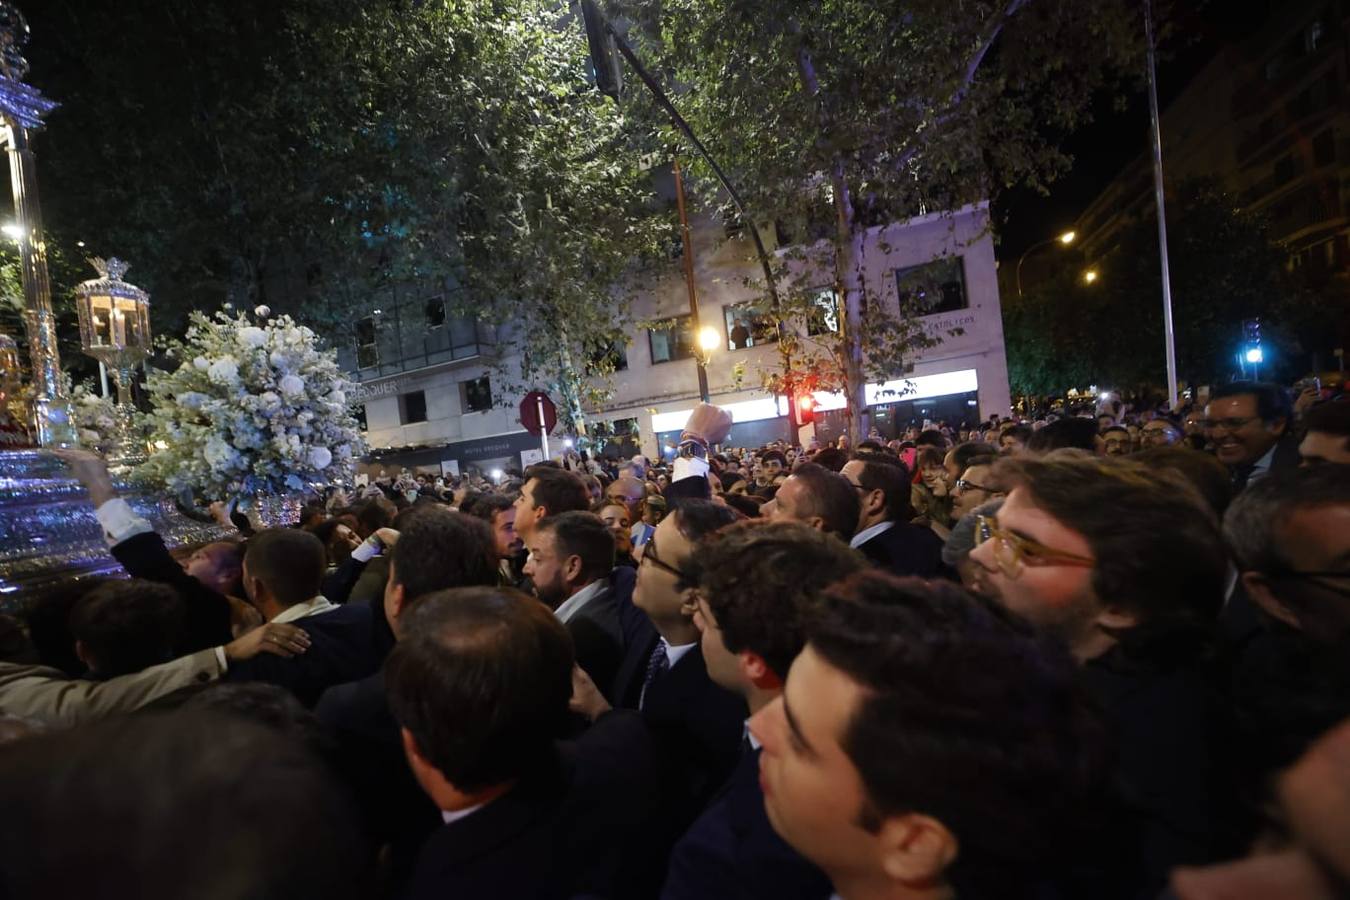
(115, 330)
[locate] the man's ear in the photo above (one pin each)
(757, 671)
(916, 849)
(572, 568)
(875, 502)
(82, 652)
(816, 522)
(397, 598)
(1258, 588)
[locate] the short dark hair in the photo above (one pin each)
(173, 784)
(831, 458)
(760, 579)
(1158, 550)
(830, 496)
(482, 683)
(1272, 400)
(931, 437)
(965, 716)
(127, 626)
(775, 455)
(375, 514)
(888, 474)
(1209, 476)
(486, 506)
(266, 704)
(441, 548)
(696, 519)
(1253, 519)
(1022, 433)
(747, 505)
(558, 490)
(1067, 432)
(583, 535)
(290, 562)
(962, 454)
(1332, 417)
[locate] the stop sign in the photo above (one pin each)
(530, 409)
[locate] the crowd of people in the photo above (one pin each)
(1092, 655)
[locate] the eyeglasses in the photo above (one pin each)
(1230, 424)
(963, 485)
(1011, 551)
(649, 556)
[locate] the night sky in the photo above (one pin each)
(1113, 139)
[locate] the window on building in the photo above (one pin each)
(359, 413)
(412, 407)
(671, 339)
(367, 350)
(1324, 148)
(476, 395)
(935, 287)
(610, 358)
(435, 312)
(824, 318)
(747, 326)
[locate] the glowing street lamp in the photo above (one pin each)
(12, 230)
(1090, 276)
(1064, 239)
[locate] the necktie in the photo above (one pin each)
(657, 665)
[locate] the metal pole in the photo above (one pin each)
(103, 376)
(543, 426)
(1169, 333)
(689, 281)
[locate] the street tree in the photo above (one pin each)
(842, 115)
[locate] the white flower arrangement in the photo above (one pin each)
(252, 408)
(95, 416)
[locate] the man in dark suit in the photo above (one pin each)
(885, 535)
(571, 557)
(755, 582)
(1248, 422)
(437, 549)
(479, 685)
(283, 570)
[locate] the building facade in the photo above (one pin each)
(430, 402)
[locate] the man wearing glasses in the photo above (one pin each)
(1248, 424)
(1290, 536)
(1126, 566)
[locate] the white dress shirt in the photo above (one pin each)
(454, 815)
(312, 607)
(870, 532)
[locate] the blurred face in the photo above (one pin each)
(1314, 539)
(662, 559)
(546, 568)
(1158, 433)
(1319, 448)
(615, 517)
(1310, 860)
(813, 794)
(504, 533)
(630, 492)
(724, 667)
(951, 468)
(1116, 443)
(1239, 435)
(1058, 598)
(972, 489)
(739, 487)
(772, 467)
(207, 566)
(1010, 444)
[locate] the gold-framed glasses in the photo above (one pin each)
(1012, 551)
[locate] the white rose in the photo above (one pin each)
(291, 385)
(262, 311)
(320, 457)
(202, 363)
(250, 336)
(277, 358)
(338, 398)
(223, 371)
(269, 400)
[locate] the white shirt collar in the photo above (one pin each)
(870, 532)
(575, 602)
(674, 653)
(313, 607)
(454, 815)
(750, 736)
(1262, 466)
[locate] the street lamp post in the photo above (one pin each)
(702, 352)
(1169, 334)
(21, 110)
(1066, 239)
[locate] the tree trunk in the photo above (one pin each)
(848, 281)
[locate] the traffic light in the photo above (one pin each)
(1251, 342)
(806, 409)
